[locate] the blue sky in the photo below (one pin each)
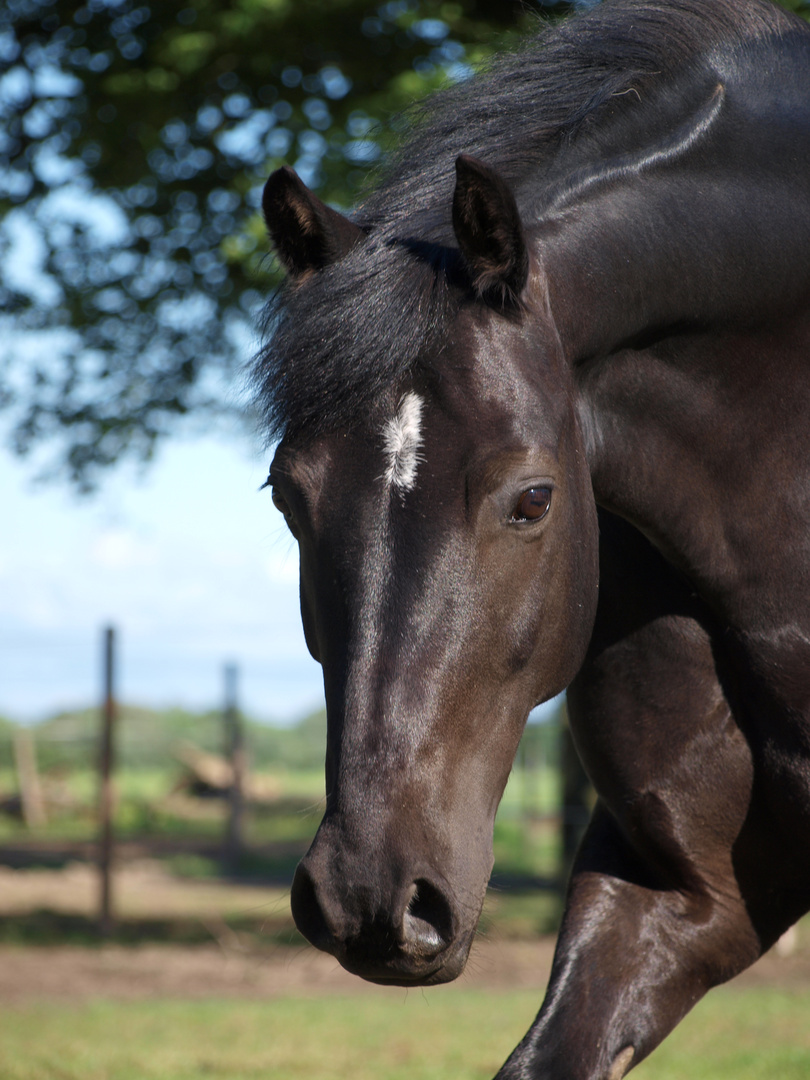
(187, 559)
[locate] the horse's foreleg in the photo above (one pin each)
(656, 911)
(631, 960)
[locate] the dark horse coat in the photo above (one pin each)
(543, 417)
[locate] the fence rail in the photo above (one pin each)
(58, 779)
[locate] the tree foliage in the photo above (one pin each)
(134, 142)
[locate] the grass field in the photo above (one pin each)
(744, 1032)
(749, 1034)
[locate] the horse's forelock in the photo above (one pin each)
(344, 339)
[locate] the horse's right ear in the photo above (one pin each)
(487, 225)
(306, 233)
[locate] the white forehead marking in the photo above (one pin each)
(402, 438)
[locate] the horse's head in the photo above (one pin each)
(448, 546)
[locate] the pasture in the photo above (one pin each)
(206, 976)
(172, 1014)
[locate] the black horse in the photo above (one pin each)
(543, 408)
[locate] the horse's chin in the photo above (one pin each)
(400, 969)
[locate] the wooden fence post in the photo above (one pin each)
(106, 794)
(235, 753)
(25, 762)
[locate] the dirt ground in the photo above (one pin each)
(238, 965)
(118, 973)
(121, 973)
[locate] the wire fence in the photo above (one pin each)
(111, 778)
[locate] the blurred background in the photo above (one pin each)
(161, 723)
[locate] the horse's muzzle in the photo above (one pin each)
(407, 935)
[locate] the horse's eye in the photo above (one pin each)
(532, 504)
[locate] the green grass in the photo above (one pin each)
(524, 843)
(747, 1034)
(144, 810)
(751, 1034)
(390, 1037)
(521, 915)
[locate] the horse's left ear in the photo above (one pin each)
(306, 233)
(489, 231)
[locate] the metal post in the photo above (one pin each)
(236, 756)
(106, 795)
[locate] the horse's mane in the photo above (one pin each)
(357, 329)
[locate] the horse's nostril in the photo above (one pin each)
(307, 911)
(428, 923)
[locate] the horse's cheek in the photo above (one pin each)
(570, 609)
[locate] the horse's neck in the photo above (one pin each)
(705, 223)
(682, 299)
(678, 252)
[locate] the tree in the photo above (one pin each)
(134, 142)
